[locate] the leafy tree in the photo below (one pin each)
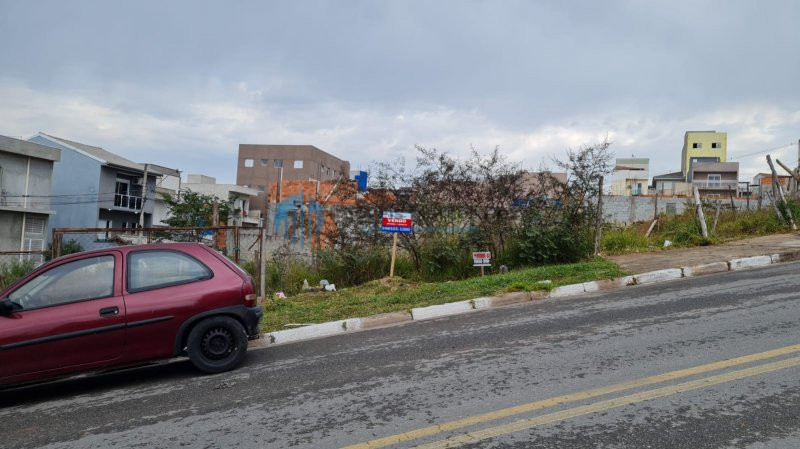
(196, 209)
(458, 205)
(559, 225)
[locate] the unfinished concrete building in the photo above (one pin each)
(262, 166)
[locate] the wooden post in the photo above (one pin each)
(655, 208)
(788, 170)
(760, 194)
(716, 218)
(650, 229)
(262, 268)
(700, 215)
(236, 243)
(599, 224)
(394, 255)
(777, 185)
(733, 206)
(56, 243)
(482, 270)
(54, 249)
(748, 196)
(777, 210)
(215, 214)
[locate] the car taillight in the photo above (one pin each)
(248, 292)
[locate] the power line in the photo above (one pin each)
(763, 151)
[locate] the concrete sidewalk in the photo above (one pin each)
(681, 257)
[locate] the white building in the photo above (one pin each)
(630, 177)
(239, 196)
(168, 183)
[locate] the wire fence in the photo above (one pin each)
(237, 242)
(37, 257)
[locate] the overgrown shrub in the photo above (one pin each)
(13, 270)
(618, 240)
(70, 247)
(285, 272)
(545, 239)
(753, 223)
(251, 267)
(445, 257)
(355, 266)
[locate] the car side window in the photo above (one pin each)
(80, 280)
(149, 270)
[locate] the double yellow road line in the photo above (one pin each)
(515, 426)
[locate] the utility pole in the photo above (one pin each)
(144, 199)
(599, 225)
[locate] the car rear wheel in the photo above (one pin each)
(217, 344)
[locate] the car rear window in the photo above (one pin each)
(152, 269)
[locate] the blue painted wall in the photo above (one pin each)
(76, 183)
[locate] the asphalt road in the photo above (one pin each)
(710, 362)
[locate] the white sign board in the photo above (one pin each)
(482, 259)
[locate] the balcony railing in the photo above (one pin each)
(128, 202)
(716, 185)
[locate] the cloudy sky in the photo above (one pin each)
(182, 83)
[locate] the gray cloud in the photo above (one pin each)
(368, 80)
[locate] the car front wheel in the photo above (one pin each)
(217, 344)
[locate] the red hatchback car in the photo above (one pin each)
(123, 306)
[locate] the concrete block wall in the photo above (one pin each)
(624, 210)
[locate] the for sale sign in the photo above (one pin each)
(482, 259)
(397, 222)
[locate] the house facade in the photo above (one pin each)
(715, 178)
(26, 171)
(98, 189)
(630, 177)
(671, 184)
(702, 147)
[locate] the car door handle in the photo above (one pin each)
(109, 311)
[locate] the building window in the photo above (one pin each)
(298, 164)
(697, 145)
(248, 163)
(277, 163)
(716, 145)
(264, 162)
(262, 188)
(714, 180)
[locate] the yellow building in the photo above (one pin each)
(703, 147)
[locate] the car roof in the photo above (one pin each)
(128, 248)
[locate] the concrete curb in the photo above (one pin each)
(749, 262)
(652, 277)
(708, 268)
(440, 310)
(487, 302)
(567, 290)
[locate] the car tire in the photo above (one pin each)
(217, 344)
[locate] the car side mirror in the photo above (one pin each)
(7, 306)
